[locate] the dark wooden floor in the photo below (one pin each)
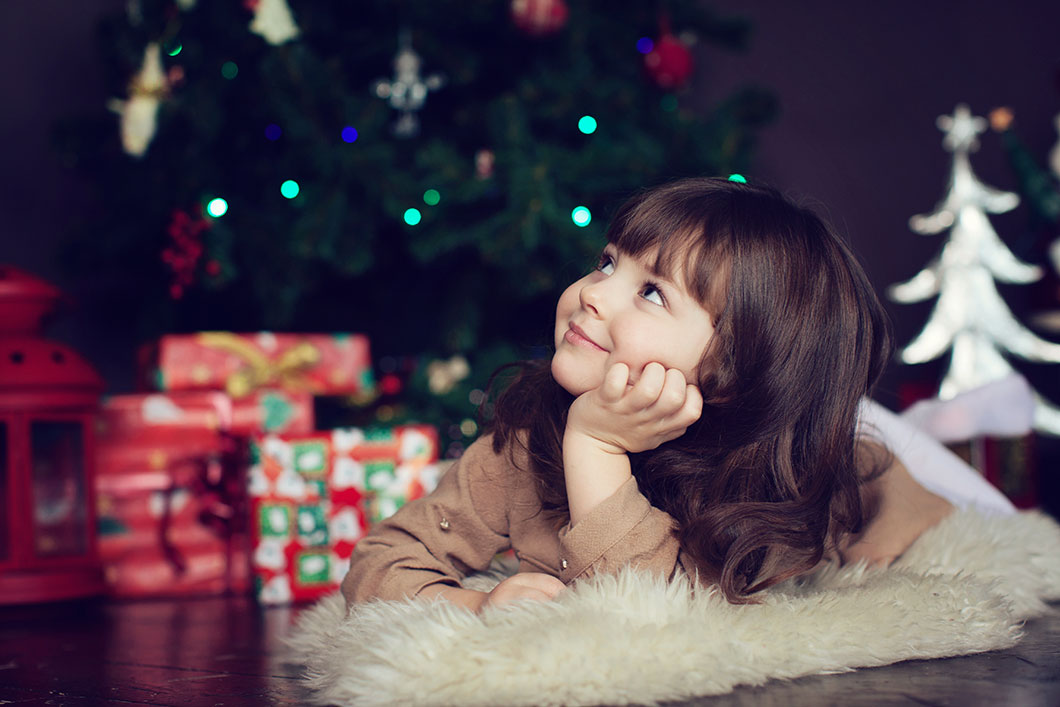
(227, 651)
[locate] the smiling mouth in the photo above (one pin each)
(577, 337)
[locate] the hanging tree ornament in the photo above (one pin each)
(539, 17)
(484, 162)
(184, 251)
(272, 20)
(408, 91)
(139, 112)
(669, 63)
(969, 316)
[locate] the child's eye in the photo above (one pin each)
(653, 295)
(606, 264)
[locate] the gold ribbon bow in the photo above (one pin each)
(258, 370)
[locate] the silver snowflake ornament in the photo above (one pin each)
(407, 91)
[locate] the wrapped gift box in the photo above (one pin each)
(164, 535)
(171, 502)
(200, 569)
(314, 496)
(321, 364)
(263, 410)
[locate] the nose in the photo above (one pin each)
(592, 299)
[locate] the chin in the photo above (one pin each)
(569, 378)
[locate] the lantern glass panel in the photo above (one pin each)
(5, 550)
(60, 504)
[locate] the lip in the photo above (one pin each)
(577, 336)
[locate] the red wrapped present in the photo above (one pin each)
(264, 410)
(241, 363)
(200, 569)
(313, 497)
(172, 510)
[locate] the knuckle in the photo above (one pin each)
(672, 398)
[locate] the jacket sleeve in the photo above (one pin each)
(625, 529)
(438, 539)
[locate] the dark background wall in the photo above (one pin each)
(860, 86)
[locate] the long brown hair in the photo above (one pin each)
(766, 480)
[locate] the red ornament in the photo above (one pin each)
(540, 17)
(669, 63)
(390, 384)
(48, 399)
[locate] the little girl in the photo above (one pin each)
(700, 415)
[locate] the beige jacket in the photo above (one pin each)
(484, 506)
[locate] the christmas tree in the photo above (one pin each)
(970, 317)
(431, 174)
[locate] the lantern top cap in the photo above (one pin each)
(25, 300)
(15, 283)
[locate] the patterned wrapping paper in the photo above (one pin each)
(264, 410)
(321, 364)
(314, 496)
(172, 513)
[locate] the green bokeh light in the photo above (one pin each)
(175, 48)
(581, 216)
(669, 103)
(738, 178)
(217, 207)
(229, 69)
(413, 216)
(431, 197)
(290, 189)
(587, 124)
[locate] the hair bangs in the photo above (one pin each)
(688, 247)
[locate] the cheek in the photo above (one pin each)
(568, 302)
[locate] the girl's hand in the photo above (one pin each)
(524, 585)
(622, 418)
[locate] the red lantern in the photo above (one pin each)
(48, 399)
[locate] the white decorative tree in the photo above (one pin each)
(970, 316)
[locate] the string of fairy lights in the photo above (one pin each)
(217, 206)
(581, 216)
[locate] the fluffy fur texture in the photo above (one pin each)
(964, 587)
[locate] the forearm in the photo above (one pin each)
(593, 472)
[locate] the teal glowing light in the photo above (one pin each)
(738, 178)
(290, 189)
(217, 207)
(175, 48)
(431, 197)
(581, 216)
(413, 216)
(587, 124)
(669, 103)
(229, 70)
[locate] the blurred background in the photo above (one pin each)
(270, 179)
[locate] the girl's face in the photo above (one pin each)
(624, 313)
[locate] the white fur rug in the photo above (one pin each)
(964, 587)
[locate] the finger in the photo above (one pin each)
(547, 583)
(693, 407)
(673, 395)
(646, 390)
(517, 593)
(678, 423)
(614, 385)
